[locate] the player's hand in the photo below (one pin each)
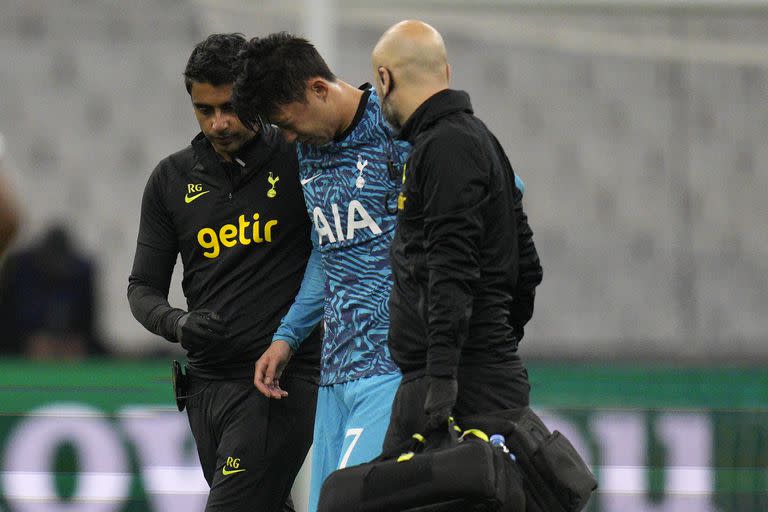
(439, 403)
(196, 329)
(269, 368)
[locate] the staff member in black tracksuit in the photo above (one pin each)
(232, 205)
(459, 299)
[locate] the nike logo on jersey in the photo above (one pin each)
(231, 463)
(188, 198)
(307, 180)
(196, 190)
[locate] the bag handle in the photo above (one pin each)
(452, 436)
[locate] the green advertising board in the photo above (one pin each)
(105, 436)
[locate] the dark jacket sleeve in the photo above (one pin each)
(156, 251)
(454, 190)
(530, 272)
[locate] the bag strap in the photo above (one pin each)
(419, 444)
(475, 432)
(436, 440)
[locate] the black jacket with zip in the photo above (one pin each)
(464, 264)
(244, 237)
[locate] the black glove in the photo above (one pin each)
(196, 329)
(440, 400)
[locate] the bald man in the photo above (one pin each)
(462, 252)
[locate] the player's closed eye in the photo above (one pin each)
(283, 125)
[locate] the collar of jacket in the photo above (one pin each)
(251, 156)
(357, 131)
(438, 105)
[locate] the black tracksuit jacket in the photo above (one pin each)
(244, 237)
(464, 263)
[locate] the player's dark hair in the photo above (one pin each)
(212, 60)
(273, 71)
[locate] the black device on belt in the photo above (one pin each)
(180, 384)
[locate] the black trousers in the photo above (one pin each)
(495, 389)
(250, 447)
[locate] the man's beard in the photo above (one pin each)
(390, 114)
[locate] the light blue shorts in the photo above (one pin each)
(350, 424)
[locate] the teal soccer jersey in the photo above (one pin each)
(351, 187)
